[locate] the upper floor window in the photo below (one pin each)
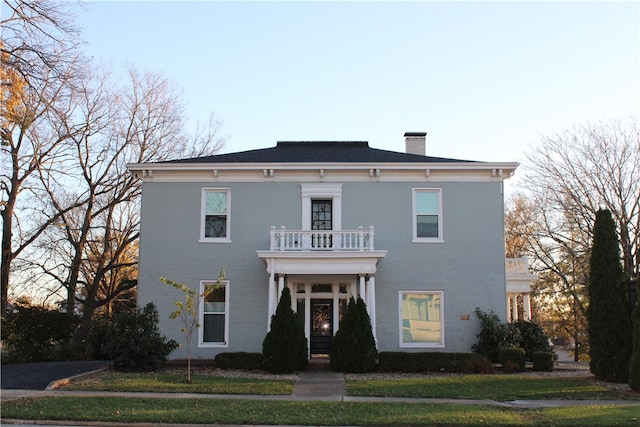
(427, 215)
(215, 215)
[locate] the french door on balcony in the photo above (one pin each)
(321, 219)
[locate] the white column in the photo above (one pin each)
(272, 300)
(508, 307)
(280, 287)
(514, 307)
(371, 304)
(363, 293)
(526, 299)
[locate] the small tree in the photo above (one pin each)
(609, 318)
(634, 365)
(285, 346)
(187, 311)
(354, 346)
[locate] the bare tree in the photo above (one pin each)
(39, 62)
(92, 243)
(569, 176)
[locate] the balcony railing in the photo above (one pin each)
(517, 265)
(360, 240)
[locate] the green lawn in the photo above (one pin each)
(206, 411)
(494, 387)
(230, 411)
(163, 382)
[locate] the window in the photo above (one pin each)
(427, 209)
(215, 215)
(421, 319)
(214, 321)
(321, 215)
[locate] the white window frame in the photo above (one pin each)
(414, 217)
(331, 192)
(227, 238)
(403, 344)
(201, 314)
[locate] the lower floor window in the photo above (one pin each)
(421, 319)
(214, 321)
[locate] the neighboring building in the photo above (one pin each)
(519, 281)
(419, 238)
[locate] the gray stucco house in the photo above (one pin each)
(419, 238)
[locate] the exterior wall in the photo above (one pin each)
(469, 266)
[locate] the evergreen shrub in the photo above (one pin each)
(354, 347)
(634, 365)
(284, 348)
(494, 336)
(391, 361)
(512, 359)
(543, 361)
(35, 334)
(134, 342)
(531, 338)
(239, 360)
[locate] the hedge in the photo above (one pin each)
(391, 361)
(543, 361)
(239, 360)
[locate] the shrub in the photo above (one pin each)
(35, 334)
(134, 343)
(239, 360)
(494, 336)
(389, 361)
(354, 347)
(543, 361)
(512, 359)
(531, 338)
(285, 347)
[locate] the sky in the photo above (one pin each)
(485, 80)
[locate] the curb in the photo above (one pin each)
(64, 381)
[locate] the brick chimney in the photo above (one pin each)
(415, 142)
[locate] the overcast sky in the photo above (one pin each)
(484, 79)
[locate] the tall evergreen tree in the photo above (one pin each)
(284, 349)
(354, 347)
(634, 365)
(608, 314)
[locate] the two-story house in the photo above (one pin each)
(419, 238)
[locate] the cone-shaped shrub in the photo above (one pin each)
(354, 347)
(285, 346)
(608, 313)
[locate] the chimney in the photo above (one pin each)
(415, 143)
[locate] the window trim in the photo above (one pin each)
(321, 191)
(439, 344)
(203, 214)
(201, 314)
(414, 216)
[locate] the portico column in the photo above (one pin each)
(526, 299)
(362, 290)
(280, 287)
(272, 300)
(371, 304)
(514, 307)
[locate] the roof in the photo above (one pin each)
(318, 152)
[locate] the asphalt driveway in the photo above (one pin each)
(37, 376)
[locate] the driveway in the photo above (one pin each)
(37, 376)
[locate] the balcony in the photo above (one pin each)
(360, 240)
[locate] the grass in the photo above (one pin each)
(494, 387)
(164, 382)
(206, 411)
(276, 412)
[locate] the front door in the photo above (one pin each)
(321, 327)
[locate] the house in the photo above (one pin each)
(419, 238)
